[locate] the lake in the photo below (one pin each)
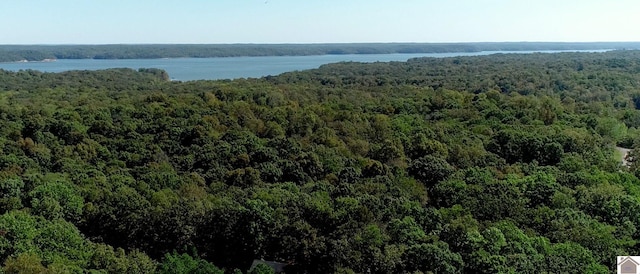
(185, 69)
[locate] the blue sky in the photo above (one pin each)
(315, 21)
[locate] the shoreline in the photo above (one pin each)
(48, 60)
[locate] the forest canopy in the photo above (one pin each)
(490, 164)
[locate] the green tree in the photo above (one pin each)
(262, 269)
(55, 198)
(430, 169)
(12, 193)
(436, 258)
(25, 263)
(184, 263)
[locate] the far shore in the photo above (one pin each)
(27, 61)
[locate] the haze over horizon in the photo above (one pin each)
(329, 21)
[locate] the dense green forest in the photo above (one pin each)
(12, 53)
(490, 164)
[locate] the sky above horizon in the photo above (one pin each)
(314, 21)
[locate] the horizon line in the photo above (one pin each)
(323, 43)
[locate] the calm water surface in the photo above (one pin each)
(185, 69)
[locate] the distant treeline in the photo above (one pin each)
(12, 53)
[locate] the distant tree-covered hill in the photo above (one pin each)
(10, 53)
